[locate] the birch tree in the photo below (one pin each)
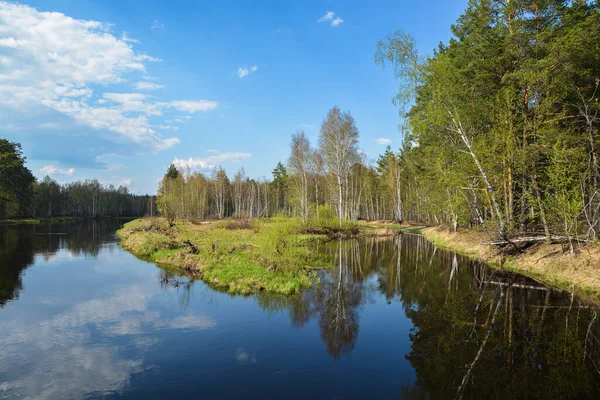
(299, 163)
(338, 145)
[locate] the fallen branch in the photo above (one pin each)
(554, 238)
(465, 379)
(309, 268)
(192, 247)
(514, 285)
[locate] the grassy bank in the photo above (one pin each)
(547, 263)
(242, 256)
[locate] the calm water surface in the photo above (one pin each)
(395, 318)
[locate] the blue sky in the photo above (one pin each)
(117, 90)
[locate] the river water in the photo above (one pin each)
(393, 318)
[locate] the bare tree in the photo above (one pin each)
(299, 163)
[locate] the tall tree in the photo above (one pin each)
(338, 145)
(299, 162)
(16, 181)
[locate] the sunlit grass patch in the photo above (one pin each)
(262, 255)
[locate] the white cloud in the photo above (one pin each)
(327, 17)
(125, 182)
(145, 85)
(168, 143)
(64, 64)
(193, 106)
(157, 25)
(126, 38)
(243, 71)
(53, 170)
(337, 22)
(383, 141)
(211, 161)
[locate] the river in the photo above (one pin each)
(393, 318)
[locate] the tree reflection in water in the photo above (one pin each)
(338, 298)
(20, 244)
(477, 332)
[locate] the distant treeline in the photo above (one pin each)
(332, 180)
(21, 195)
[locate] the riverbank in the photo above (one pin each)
(53, 220)
(34, 221)
(550, 264)
(242, 256)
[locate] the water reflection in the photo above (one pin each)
(92, 321)
(475, 330)
(20, 244)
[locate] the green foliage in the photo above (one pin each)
(271, 256)
(503, 123)
(172, 172)
(564, 205)
(16, 181)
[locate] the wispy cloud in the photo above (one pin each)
(329, 17)
(244, 71)
(210, 162)
(145, 85)
(53, 170)
(193, 106)
(125, 182)
(383, 141)
(157, 25)
(63, 64)
(337, 22)
(126, 38)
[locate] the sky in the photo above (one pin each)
(118, 90)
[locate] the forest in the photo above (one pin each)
(499, 128)
(22, 196)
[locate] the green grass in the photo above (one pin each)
(265, 255)
(241, 256)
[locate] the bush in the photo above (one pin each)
(237, 224)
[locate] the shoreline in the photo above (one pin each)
(243, 256)
(542, 262)
(55, 220)
(248, 259)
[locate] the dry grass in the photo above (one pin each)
(551, 264)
